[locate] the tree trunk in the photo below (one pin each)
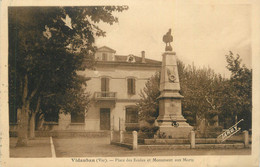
(32, 119)
(23, 126)
(32, 126)
(22, 131)
(40, 122)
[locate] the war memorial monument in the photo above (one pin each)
(170, 120)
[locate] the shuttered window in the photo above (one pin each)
(104, 87)
(77, 117)
(131, 86)
(131, 115)
(51, 116)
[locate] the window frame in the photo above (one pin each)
(104, 86)
(131, 86)
(134, 111)
(75, 120)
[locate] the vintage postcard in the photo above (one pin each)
(130, 83)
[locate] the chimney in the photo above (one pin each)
(143, 56)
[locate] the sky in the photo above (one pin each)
(203, 33)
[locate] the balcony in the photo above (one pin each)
(105, 96)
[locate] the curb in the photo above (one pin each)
(122, 145)
(53, 154)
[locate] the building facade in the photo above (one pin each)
(115, 87)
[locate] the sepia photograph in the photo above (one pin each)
(158, 83)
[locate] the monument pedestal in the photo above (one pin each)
(170, 119)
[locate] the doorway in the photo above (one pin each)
(104, 118)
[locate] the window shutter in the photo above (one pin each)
(129, 86)
(107, 85)
(127, 115)
(133, 86)
(103, 84)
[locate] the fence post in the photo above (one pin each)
(111, 136)
(119, 124)
(135, 140)
(246, 138)
(192, 139)
(121, 136)
(113, 123)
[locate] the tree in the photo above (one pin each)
(239, 91)
(208, 97)
(148, 106)
(46, 47)
(201, 89)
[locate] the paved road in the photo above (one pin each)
(100, 147)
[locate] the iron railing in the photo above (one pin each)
(105, 95)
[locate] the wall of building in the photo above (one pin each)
(110, 56)
(117, 83)
(118, 80)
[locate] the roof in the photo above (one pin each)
(105, 48)
(123, 58)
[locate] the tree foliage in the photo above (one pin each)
(47, 46)
(207, 95)
(237, 99)
(202, 89)
(148, 106)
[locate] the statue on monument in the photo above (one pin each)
(167, 39)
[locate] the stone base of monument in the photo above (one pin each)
(182, 132)
(175, 132)
(174, 127)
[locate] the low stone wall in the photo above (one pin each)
(181, 141)
(187, 146)
(126, 139)
(186, 141)
(206, 141)
(166, 141)
(65, 134)
(131, 141)
(220, 146)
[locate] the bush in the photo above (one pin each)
(147, 132)
(132, 129)
(150, 120)
(188, 113)
(162, 135)
(145, 135)
(190, 119)
(152, 129)
(210, 132)
(215, 128)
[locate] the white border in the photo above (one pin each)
(250, 160)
